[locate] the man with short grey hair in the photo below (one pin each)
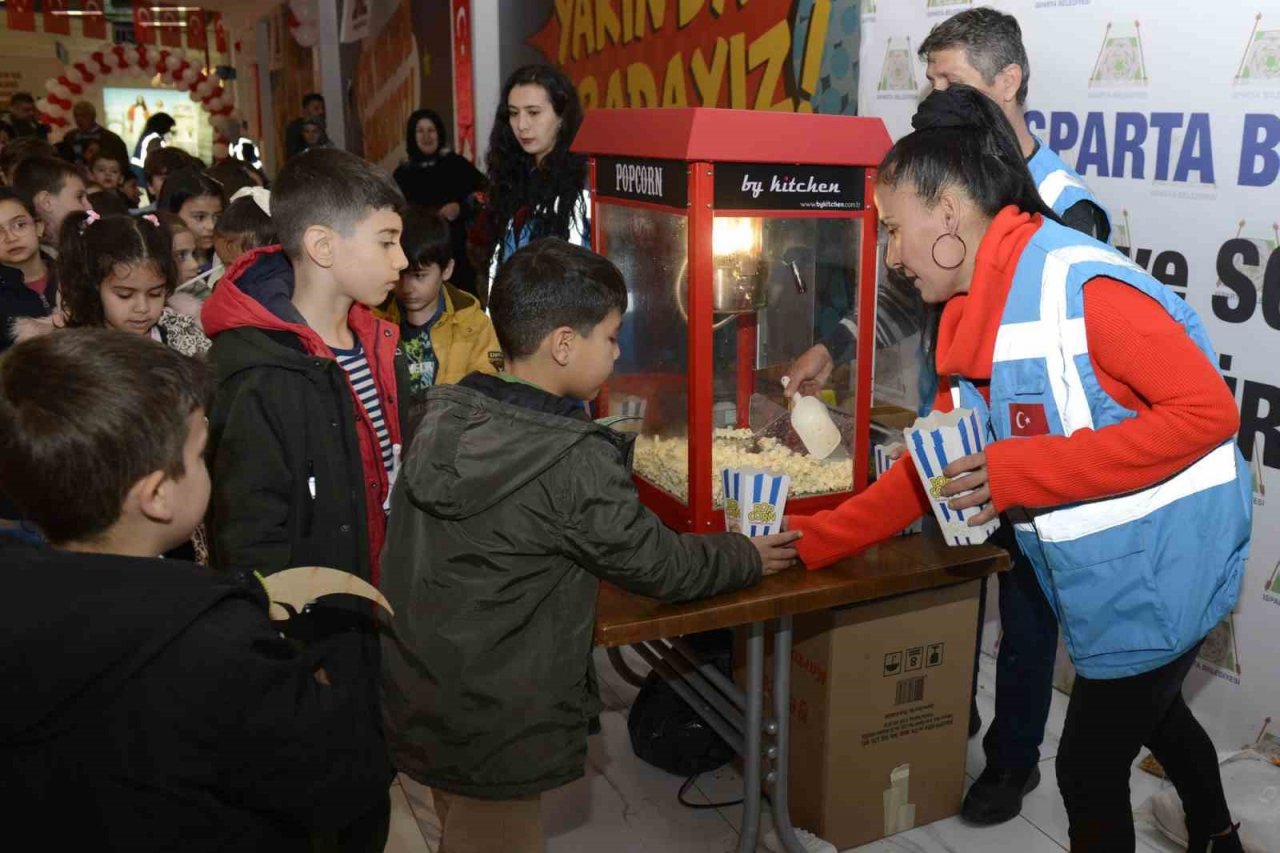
(87, 130)
(983, 49)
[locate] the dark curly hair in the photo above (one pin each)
(514, 183)
(87, 252)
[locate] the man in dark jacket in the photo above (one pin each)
(510, 508)
(72, 146)
(155, 696)
(22, 117)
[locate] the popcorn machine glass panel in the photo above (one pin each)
(649, 382)
(778, 284)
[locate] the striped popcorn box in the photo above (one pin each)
(763, 500)
(629, 411)
(934, 442)
(731, 480)
(630, 406)
(884, 461)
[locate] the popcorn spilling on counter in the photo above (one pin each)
(664, 462)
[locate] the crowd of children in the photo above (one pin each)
(307, 345)
(287, 378)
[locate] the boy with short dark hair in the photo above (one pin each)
(55, 189)
(510, 508)
(159, 163)
(308, 407)
(157, 696)
(305, 434)
(106, 170)
(444, 332)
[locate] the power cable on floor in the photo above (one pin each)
(688, 783)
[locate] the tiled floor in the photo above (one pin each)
(623, 805)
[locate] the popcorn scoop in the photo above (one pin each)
(812, 422)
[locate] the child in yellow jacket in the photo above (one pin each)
(444, 332)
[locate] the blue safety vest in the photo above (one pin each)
(1137, 579)
(1058, 184)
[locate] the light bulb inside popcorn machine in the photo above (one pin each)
(736, 243)
(735, 235)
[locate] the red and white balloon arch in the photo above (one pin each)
(173, 69)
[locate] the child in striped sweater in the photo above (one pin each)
(305, 430)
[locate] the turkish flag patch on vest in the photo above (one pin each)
(1028, 419)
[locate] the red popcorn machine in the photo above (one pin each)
(744, 238)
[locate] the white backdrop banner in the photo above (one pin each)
(1169, 111)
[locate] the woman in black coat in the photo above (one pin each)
(437, 178)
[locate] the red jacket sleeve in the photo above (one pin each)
(888, 505)
(1147, 362)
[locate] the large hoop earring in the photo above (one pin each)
(964, 251)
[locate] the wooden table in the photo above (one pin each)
(898, 566)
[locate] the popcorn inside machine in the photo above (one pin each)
(744, 237)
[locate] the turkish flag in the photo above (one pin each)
(94, 26)
(56, 22)
(1026, 419)
(219, 34)
(197, 39)
(20, 15)
(464, 113)
(143, 32)
(170, 32)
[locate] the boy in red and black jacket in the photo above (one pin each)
(305, 433)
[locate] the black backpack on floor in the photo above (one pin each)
(666, 732)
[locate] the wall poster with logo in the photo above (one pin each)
(1175, 128)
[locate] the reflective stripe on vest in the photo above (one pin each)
(1064, 525)
(1054, 183)
(1057, 337)
(1059, 185)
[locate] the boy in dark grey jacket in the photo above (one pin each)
(509, 508)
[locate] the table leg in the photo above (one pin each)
(752, 754)
(782, 714)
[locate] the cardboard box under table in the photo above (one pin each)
(879, 700)
(874, 674)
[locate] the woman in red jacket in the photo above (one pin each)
(1111, 448)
